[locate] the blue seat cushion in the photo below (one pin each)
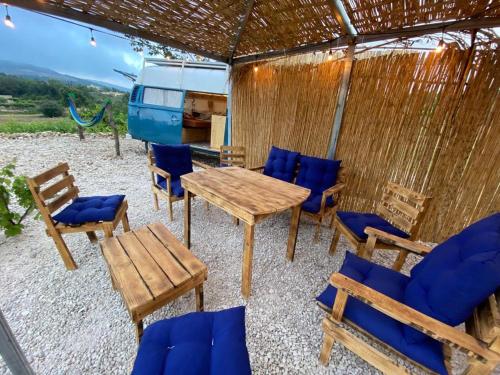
(175, 159)
(313, 203)
(202, 343)
(317, 174)
(457, 275)
(393, 284)
(175, 186)
(357, 222)
(281, 164)
(89, 209)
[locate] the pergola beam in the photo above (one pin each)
(236, 41)
(409, 32)
(342, 18)
(65, 12)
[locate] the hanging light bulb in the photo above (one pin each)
(330, 55)
(8, 21)
(441, 46)
(93, 43)
(255, 68)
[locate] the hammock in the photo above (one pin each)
(86, 124)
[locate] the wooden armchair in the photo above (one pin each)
(399, 213)
(53, 189)
(232, 156)
(455, 275)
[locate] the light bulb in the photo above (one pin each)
(93, 43)
(255, 68)
(8, 22)
(440, 47)
(330, 55)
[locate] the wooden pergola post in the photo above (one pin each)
(11, 351)
(341, 100)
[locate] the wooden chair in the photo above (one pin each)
(166, 191)
(384, 312)
(233, 156)
(400, 212)
(52, 190)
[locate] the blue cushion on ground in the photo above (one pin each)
(393, 284)
(281, 164)
(457, 275)
(357, 222)
(175, 186)
(175, 159)
(317, 175)
(89, 209)
(202, 343)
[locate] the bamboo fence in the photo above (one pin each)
(427, 121)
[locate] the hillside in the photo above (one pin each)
(37, 72)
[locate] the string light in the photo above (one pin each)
(93, 43)
(441, 45)
(255, 68)
(8, 20)
(330, 55)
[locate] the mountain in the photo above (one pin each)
(37, 72)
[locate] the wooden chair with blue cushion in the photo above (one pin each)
(54, 189)
(201, 343)
(167, 163)
(281, 164)
(326, 179)
(415, 316)
(400, 213)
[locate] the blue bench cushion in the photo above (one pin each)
(317, 175)
(175, 186)
(357, 222)
(89, 209)
(175, 159)
(393, 284)
(281, 164)
(457, 275)
(202, 343)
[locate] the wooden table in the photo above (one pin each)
(248, 196)
(151, 268)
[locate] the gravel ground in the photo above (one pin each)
(74, 323)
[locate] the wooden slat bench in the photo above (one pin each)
(151, 268)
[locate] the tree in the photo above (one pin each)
(51, 109)
(140, 45)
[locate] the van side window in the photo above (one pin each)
(164, 98)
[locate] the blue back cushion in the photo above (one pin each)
(317, 174)
(281, 164)
(175, 159)
(457, 275)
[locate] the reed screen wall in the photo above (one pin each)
(428, 121)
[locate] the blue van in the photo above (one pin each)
(174, 102)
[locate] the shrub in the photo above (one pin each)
(51, 109)
(13, 187)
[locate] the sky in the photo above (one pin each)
(49, 43)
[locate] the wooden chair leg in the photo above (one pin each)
(108, 230)
(170, 210)
(335, 241)
(199, 297)
(155, 202)
(332, 220)
(360, 250)
(317, 232)
(326, 349)
(125, 223)
(400, 260)
(63, 251)
(92, 237)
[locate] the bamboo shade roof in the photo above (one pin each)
(228, 30)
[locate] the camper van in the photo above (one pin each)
(180, 102)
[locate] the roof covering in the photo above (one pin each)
(232, 30)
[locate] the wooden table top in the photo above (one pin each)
(252, 192)
(150, 265)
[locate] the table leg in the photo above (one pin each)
(198, 291)
(139, 329)
(187, 218)
(292, 235)
(246, 273)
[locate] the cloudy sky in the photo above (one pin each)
(65, 48)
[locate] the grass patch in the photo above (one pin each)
(59, 125)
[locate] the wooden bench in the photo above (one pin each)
(151, 268)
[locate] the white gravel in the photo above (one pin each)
(74, 323)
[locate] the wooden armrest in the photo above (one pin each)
(333, 190)
(201, 165)
(159, 171)
(255, 169)
(407, 315)
(412, 246)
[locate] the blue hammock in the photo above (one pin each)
(86, 124)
